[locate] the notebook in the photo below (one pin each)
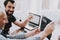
(34, 23)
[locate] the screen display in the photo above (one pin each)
(36, 19)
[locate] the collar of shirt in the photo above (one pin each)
(0, 31)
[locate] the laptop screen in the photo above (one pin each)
(35, 20)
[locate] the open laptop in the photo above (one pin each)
(34, 23)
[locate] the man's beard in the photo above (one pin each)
(7, 12)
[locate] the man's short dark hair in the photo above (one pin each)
(6, 2)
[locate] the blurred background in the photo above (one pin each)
(48, 8)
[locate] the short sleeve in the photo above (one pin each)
(13, 19)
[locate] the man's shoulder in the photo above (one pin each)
(12, 16)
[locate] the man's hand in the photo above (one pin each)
(36, 31)
(29, 18)
(32, 33)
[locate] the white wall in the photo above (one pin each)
(49, 8)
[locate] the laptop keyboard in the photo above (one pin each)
(32, 25)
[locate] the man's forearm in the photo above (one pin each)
(29, 34)
(48, 30)
(32, 33)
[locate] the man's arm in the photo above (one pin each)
(48, 30)
(32, 33)
(23, 23)
(3, 38)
